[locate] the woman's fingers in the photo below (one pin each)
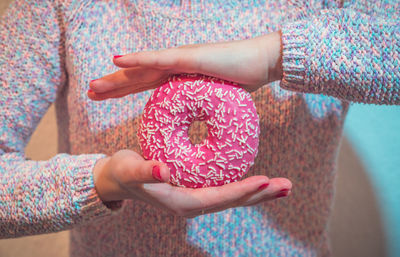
(229, 194)
(154, 59)
(193, 202)
(185, 201)
(181, 59)
(133, 80)
(275, 188)
(278, 187)
(116, 93)
(142, 71)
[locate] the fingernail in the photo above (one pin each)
(282, 194)
(284, 190)
(93, 80)
(156, 173)
(90, 91)
(117, 56)
(263, 186)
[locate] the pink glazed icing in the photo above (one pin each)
(233, 130)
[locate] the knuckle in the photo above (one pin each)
(125, 169)
(118, 166)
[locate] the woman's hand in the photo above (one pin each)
(126, 175)
(252, 63)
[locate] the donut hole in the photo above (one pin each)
(198, 131)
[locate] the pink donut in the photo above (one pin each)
(233, 130)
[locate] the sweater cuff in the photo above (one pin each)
(88, 204)
(293, 56)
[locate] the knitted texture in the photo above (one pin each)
(347, 54)
(52, 49)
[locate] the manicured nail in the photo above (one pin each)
(282, 194)
(90, 91)
(117, 56)
(93, 80)
(263, 186)
(156, 173)
(284, 190)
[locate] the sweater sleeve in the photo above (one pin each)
(37, 196)
(344, 53)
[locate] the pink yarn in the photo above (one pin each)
(233, 130)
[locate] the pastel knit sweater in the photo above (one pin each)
(333, 53)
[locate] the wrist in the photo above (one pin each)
(274, 46)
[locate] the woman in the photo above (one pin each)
(338, 53)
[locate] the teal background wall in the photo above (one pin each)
(374, 132)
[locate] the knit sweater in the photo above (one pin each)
(333, 54)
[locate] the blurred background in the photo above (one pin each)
(366, 214)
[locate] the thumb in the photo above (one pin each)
(159, 171)
(141, 171)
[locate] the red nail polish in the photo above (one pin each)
(117, 56)
(156, 173)
(90, 91)
(282, 194)
(263, 186)
(284, 190)
(93, 80)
